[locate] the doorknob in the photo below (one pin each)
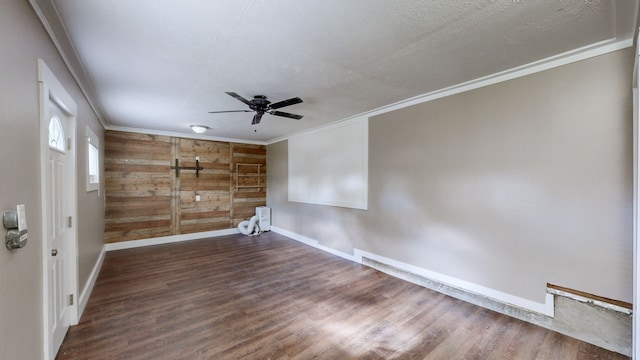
(54, 252)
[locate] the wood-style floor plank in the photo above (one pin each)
(269, 297)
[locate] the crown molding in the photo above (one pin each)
(50, 18)
(583, 53)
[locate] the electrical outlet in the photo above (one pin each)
(197, 197)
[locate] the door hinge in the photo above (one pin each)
(69, 144)
(71, 299)
(69, 222)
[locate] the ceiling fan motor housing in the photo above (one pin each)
(259, 103)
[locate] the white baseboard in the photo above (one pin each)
(546, 308)
(297, 237)
(91, 282)
(168, 239)
(338, 253)
(313, 243)
(541, 314)
(86, 291)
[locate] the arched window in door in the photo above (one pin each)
(56, 134)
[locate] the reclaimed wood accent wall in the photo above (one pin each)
(213, 211)
(145, 199)
(138, 186)
(249, 187)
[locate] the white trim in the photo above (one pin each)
(635, 340)
(50, 89)
(65, 58)
(546, 308)
(569, 57)
(167, 239)
(91, 282)
(583, 53)
(93, 277)
(313, 243)
(338, 253)
(91, 139)
(183, 135)
(297, 237)
(596, 49)
(635, 343)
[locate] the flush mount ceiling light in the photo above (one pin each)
(199, 129)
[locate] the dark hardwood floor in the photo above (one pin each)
(269, 297)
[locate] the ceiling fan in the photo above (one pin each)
(260, 105)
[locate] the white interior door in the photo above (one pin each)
(59, 210)
(58, 225)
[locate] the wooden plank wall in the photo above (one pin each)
(144, 198)
(213, 211)
(138, 186)
(247, 197)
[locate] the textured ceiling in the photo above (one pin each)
(161, 65)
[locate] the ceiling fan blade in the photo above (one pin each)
(285, 114)
(256, 118)
(228, 111)
(283, 103)
(238, 97)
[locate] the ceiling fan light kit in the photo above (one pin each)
(261, 105)
(199, 129)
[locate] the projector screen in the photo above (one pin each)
(330, 166)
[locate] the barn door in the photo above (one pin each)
(203, 197)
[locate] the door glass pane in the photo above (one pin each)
(56, 134)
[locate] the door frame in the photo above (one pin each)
(50, 89)
(635, 338)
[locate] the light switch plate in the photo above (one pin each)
(22, 218)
